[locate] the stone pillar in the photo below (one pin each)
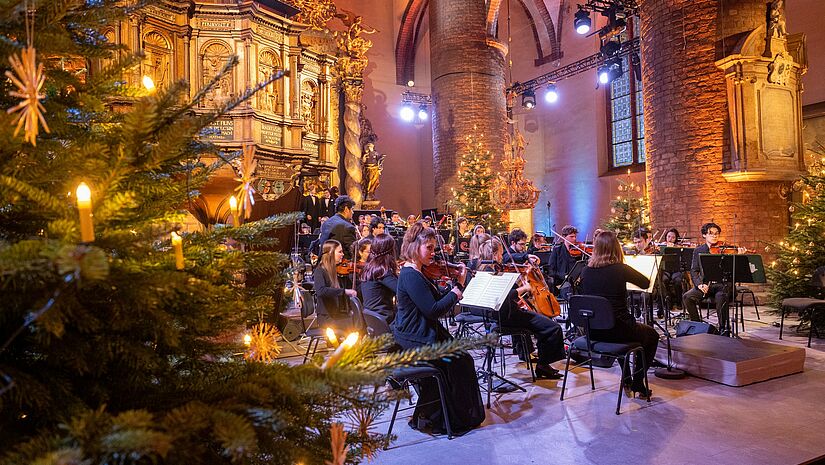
(686, 122)
(467, 71)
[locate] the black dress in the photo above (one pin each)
(378, 296)
(332, 305)
(416, 324)
(610, 282)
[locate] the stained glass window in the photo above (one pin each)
(627, 128)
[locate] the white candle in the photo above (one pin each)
(331, 337)
(233, 207)
(177, 246)
(84, 206)
(350, 341)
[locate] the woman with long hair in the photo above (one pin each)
(379, 278)
(607, 275)
(474, 249)
(332, 304)
(420, 305)
(549, 335)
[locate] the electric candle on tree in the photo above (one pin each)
(233, 207)
(84, 206)
(177, 246)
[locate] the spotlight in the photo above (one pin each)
(528, 99)
(604, 74)
(610, 48)
(410, 83)
(422, 113)
(407, 113)
(581, 21)
(551, 96)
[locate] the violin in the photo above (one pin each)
(726, 249)
(580, 248)
(442, 271)
(346, 267)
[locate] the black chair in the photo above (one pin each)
(315, 335)
(595, 312)
(403, 378)
(804, 305)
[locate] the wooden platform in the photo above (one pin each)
(734, 362)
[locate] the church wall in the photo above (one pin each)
(806, 16)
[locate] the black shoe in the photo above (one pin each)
(547, 372)
(642, 393)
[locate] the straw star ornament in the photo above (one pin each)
(245, 191)
(28, 77)
(263, 343)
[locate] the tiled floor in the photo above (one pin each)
(690, 421)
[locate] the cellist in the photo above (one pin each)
(549, 335)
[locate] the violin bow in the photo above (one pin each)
(570, 243)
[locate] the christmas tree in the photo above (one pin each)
(803, 249)
(120, 339)
(629, 211)
(473, 199)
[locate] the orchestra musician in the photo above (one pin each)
(340, 227)
(463, 225)
(396, 220)
(331, 298)
(643, 242)
(607, 275)
(549, 335)
(473, 251)
(538, 243)
(379, 278)
(672, 237)
(721, 293)
(410, 220)
(377, 227)
(420, 305)
(564, 255)
(673, 280)
(517, 249)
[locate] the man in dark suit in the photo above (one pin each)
(311, 206)
(327, 205)
(339, 226)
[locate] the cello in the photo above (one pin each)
(540, 299)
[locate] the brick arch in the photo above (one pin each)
(552, 34)
(536, 39)
(407, 38)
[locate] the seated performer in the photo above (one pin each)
(377, 226)
(672, 237)
(463, 225)
(416, 323)
(549, 335)
(643, 242)
(332, 306)
(538, 243)
(379, 278)
(517, 249)
(721, 293)
(475, 245)
(607, 275)
(564, 256)
(673, 280)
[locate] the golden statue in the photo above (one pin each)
(373, 166)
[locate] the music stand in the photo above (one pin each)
(726, 269)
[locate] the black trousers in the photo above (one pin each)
(631, 331)
(674, 287)
(721, 295)
(549, 335)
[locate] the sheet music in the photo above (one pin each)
(488, 290)
(647, 265)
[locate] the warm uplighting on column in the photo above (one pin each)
(84, 206)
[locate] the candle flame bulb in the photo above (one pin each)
(148, 83)
(233, 207)
(247, 340)
(331, 337)
(351, 340)
(177, 246)
(84, 207)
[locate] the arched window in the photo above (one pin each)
(626, 130)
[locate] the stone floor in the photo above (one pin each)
(689, 421)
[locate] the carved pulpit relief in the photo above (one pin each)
(268, 64)
(213, 59)
(309, 100)
(157, 64)
(779, 70)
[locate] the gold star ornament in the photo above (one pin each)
(246, 193)
(28, 77)
(262, 343)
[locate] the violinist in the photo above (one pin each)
(673, 280)
(463, 225)
(332, 305)
(562, 259)
(410, 220)
(517, 249)
(672, 237)
(377, 226)
(379, 278)
(420, 306)
(549, 335)
(643, 242)
(538, 243)
(340, 227)
(721, 293)
(475, 245)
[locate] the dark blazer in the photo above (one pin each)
(561, 262)
(311, 206)
(696, 266)
(330, 302)
(420, 305)
(327, 208)
(341, 230)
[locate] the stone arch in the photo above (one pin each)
(212, 58)
(270, 98)
(407, 38)
(157, 63)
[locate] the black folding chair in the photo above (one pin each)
(594, 312)
(806, 305)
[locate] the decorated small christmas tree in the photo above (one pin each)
(473, 199)
(629, 211)
(803, 249)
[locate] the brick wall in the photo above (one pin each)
(467, 87)
(685, 110)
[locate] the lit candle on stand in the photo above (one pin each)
(233, 207)
(177, 246)
(84, 206)
(350, 341)
(331, 337)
